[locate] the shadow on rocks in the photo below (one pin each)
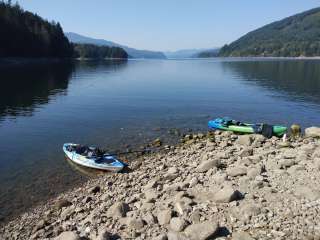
(110, 237)
(223, 232)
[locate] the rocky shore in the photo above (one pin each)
(214, 186)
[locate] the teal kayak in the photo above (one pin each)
(227, 124)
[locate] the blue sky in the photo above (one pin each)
(166, 24)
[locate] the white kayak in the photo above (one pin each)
(87, 157)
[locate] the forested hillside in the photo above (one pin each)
(209, 53)
(132, 53)
(98, 52)
(295, 36)
(24, 34)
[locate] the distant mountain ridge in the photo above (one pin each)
(295, 36)
(208, 53)
(133, 53)
(186, 53)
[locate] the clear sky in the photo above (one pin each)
(166, 24)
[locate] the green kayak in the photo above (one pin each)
(232, 125)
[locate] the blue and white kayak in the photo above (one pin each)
(87, 157)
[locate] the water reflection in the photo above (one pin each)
(297, 80)
(24, 88)
(27, 87)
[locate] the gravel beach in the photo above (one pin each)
(213, 186)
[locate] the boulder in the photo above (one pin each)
(254, 171)
(312, 132)
(306, 192)
(151, 195)
(66, 213)
(290, 154)
(102, 234)
(202, 231)
(246, 152)
(193, 182)
(182, 207)
(236, 171)
(61, 204)
(244, 140)
(117, 210)
(136, 223)
(206, 165)
(249, 210)
(161, 237)
(176, 236)
(316, 153)
(227, 194)
(68, 236)
(172, 170)
(41, 224)
(164, 216)
(151, 184)
(177, 224)
(195, 216)
(149, 218)
(241, 236)
(286, 163)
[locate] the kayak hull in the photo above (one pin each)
(109, 163)
(244, 128)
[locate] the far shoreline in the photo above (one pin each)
(21, 60)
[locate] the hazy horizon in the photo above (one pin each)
(166, 25)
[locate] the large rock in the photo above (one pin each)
(252, 172)
(241, 236)
(236, 171)
(61, 204)
(306, 192)
(102, 234)
(177, 224)
(227, 194)
(161, 237)
(176, 236)
(164, 216)
(286, 163)
(118, 210)
(136, 223)
(244, 140)
(316, 154)
(249, 210)
(68, 236)
(312, 132)
(172, 170)
(183, 206)
(149, 218)
(202, 231)
(206, 165)
(246, 152)
(150, 195)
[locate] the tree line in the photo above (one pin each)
(25, 34)
(295, 36)
(98, 52)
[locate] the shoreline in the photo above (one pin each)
(16, 61)
(215, 185)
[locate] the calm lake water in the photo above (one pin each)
(117, 103)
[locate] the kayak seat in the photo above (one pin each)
(265, 129)
(228, 122)
(107, 160)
